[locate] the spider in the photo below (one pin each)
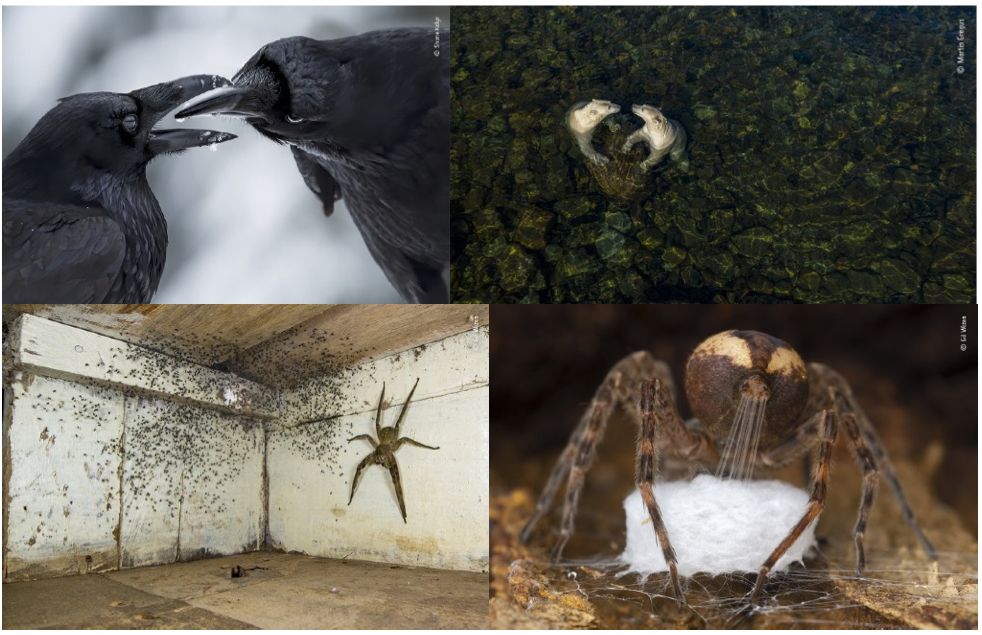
(755, 400)
(384, 454)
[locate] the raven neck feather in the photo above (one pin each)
(132, 204)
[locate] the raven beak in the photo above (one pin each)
(161, 99)
(167, 141)
(227, 100)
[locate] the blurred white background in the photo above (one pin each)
(243, 227)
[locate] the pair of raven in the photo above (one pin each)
(367, 119)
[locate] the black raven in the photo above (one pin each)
(367, 118)
(80, 223)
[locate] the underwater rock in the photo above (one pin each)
(898, 276)
(673, 257)
(577, 263)
(858, 192)
(619, 221)
(571, 208)
(516, 269)
(621, 179)
(704, 112)
(754, 242)
(937, 294)
(581, 235)
(691, 276)
(633, 285)
(609, 244)
(866, 284)
(533, 225)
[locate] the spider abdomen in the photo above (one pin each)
(734, 364)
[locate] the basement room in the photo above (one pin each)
(245, 466)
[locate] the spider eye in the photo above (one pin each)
(130, 123)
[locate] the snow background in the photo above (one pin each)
(242, 225)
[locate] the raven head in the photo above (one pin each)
(286, 91)
(91, 136)
(357, 92)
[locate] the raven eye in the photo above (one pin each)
(130, 123)
(294, 119)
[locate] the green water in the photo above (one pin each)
(832, 155)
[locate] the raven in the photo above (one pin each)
(367, 118)
(80, 223)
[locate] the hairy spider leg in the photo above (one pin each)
(590, 418)
(586, 451)
(402, 414)
(366, 437)
(870, 452)
(559, 472)
(378, 414)
(870, 477)
(620, 386)
(825, 422)
(655, 405)
(394, 471)
(398, 444)
(365, 462)
(843, 401)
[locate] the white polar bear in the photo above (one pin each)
(583, 118)
(663, 136)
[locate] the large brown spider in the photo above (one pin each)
(384, 454)
(729, 377)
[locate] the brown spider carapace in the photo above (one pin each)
(756, 402)
(385, 448)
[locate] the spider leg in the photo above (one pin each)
(402, 415)
(394, 471)
(825, 421)
(403, 440)
(870, 479)
(655, 406)
(378, 414)
(845, 403)
(621, 385)
(365, 462)
(583, 454)
(559, 472)
(366, 437)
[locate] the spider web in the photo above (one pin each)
(821, 594)
(900, 587)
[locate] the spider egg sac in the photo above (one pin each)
(724, 367)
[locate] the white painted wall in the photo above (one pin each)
(311, 465)
(190, 485)
(63, 446)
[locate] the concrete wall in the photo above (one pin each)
(117, 457)
(97, 480)
(311, 464)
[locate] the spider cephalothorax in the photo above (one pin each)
(384, 454)
(756, 403)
